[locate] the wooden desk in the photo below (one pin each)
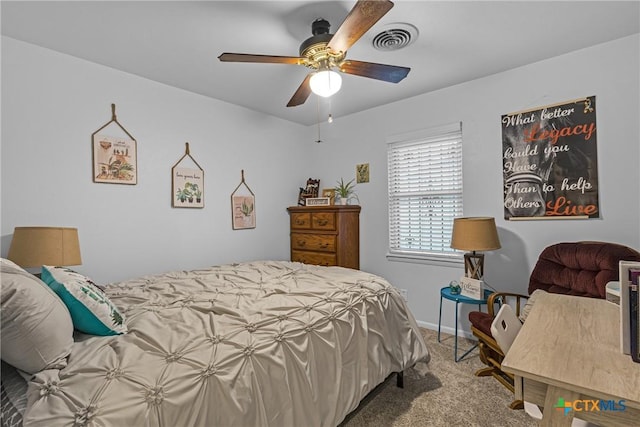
(569, 348)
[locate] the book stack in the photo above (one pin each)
(629, 309)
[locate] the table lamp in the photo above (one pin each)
(474, 234)
(38, 246)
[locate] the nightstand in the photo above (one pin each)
(459, 299)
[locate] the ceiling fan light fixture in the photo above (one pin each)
(324, 52)
(325, 83)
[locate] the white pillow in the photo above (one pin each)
(91, 310)
(9, 263)
(37, 332)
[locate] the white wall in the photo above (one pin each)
(608, 71)
(52, 103)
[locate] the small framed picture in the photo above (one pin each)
(330, 193)
(114, 160)
(187, 186)
(362, 173)
(318, 201)
(243, 212)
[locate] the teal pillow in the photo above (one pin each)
(91, 310)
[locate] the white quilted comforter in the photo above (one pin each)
(254, 344)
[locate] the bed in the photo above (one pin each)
(265, 343)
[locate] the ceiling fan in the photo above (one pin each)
(324, 52)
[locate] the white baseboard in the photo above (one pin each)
(445, 329)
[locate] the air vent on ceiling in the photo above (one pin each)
(395, 36)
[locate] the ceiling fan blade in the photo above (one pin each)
(388, 73)
(264, 59)
(362, 17)
(301, 95)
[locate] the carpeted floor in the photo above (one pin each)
(440, 393)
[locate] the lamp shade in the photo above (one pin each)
(325, 83)
(475, 234)
(38, 246)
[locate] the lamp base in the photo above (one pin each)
(474, 265)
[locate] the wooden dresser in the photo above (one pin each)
(326, 235)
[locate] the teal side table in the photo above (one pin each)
(460, 299)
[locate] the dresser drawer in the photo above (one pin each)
(323, 220)
(315, 258)
(313, 221)
(313, 242)
(300, 220)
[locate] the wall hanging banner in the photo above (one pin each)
(550, 163)
(187, 184)
(114, 158)
(243, 206)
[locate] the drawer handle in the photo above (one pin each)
(299, 222)
(301, 243)
(323, 245)
(323, 222)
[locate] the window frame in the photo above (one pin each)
(449, 133)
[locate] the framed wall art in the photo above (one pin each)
(362, 173)
(550, 162)
(187, 183)
(243, 206)
(114, 158)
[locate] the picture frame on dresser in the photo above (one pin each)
(317, 201)
(330, 193)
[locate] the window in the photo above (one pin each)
(425, 193)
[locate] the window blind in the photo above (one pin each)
(425, 192)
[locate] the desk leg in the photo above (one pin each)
(554, 417)
(440, 318)
(518, 388)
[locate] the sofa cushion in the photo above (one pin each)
(481, 321)
(579, 268)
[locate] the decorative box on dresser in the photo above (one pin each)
(326, 235)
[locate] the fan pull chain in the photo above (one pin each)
(318, 121)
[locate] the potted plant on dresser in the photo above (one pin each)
(345, 192)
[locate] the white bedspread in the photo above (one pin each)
(254, 344)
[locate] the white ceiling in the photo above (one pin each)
(177, 43)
